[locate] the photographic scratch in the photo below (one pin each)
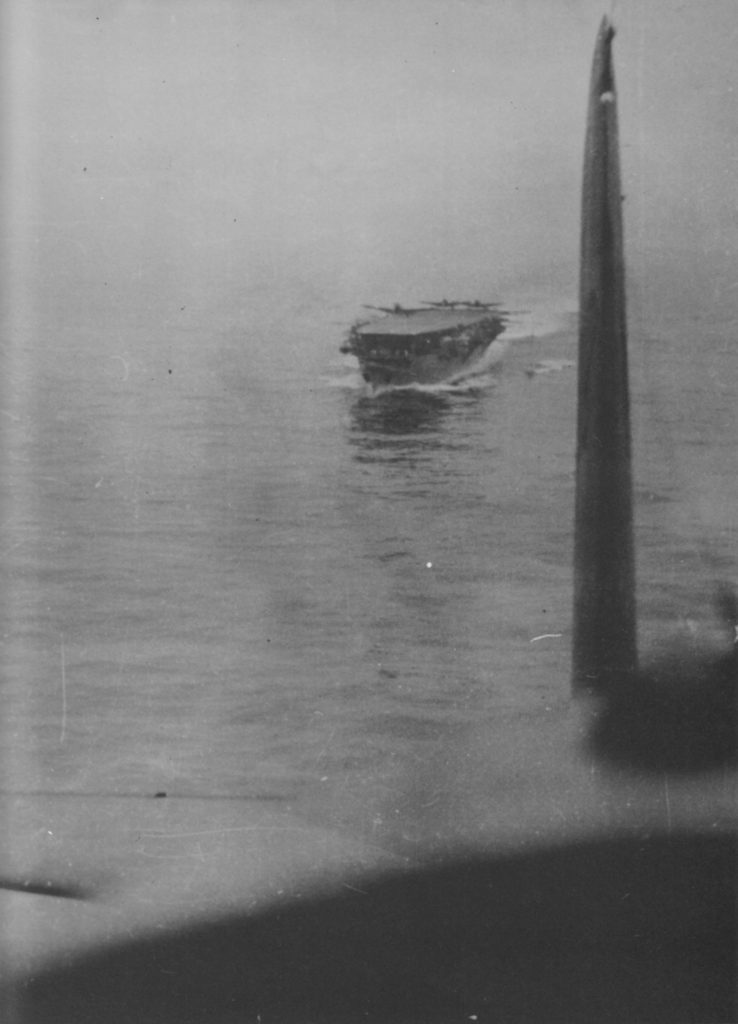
(63, 734)
(667, 801)
(545, 636)
(220, 831)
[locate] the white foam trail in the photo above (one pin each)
(468, 385)
(541, 323)
(549, 366)
(350, 380)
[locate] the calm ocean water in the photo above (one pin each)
(233, 572)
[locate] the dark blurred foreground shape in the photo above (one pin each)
(604, 648)
(678, 712)
(617, 930)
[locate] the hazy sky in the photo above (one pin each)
(212, 153)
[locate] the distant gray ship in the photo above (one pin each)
(440, 342)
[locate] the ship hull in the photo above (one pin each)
(424, 346)
(391, 370)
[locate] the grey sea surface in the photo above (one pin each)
(234, 575)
